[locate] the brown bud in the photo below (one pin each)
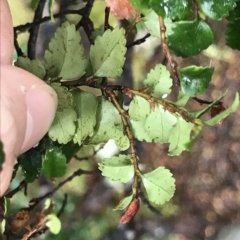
(131, 211)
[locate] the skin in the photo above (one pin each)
(27, 104)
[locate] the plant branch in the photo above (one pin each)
(77, 173)
(130, 92)
(139, 41)
(137, 19)
(27, 26)
(106, 19)
(152, 100)
(43, 230)
(86, 22)
(166, 50)
(16, 45)
(35, 29)
(134, 160)
(17, 189)
(200, 101)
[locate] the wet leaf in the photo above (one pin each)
(216, 9)
(31, 164)
(195, 80)
(54, 162)
(182, 45)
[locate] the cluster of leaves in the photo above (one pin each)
(84, 119)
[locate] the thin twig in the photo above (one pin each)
(86, 22)
(64, 203)
(77, 173)
(35, 29)
(129, 29)
(17, 189)
(134, 160)
(106, 18)
(166, 50)
(42, 231)
(27, 26)
(165, 104)
(200, 101)
(17, 47)
(139, 41)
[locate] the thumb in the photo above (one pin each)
(27, 110)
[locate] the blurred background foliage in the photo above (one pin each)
(208, 178)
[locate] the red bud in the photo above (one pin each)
(131, 211)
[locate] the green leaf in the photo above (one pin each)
(233, 34)
(123, 203)
(195, 80)
(109, 126)
(107, 55)
(31, 164)
(155, 5)
(119, 168)
(140, 5)
(34, 4)
(182, 99)
(50, 9)
(151, 22)
(65, 98)
(2, 155)
(182, 45)
(159, 185)
(54, 162)
(174, 9)
(235, 13)
(63, 126)
(47, 204)
(197, 129)
(53, 223)
(85, 104)
(65, 57)
(139, 108)
(32, 66)
(159, 80)
(215, 120)
(216, 9)
(139, 131)
(70, 149)
(159, 124)
(180, 136)
(98, 32)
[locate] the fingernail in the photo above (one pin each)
(41, 106)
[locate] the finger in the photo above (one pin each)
(29, 107)
(6, 37)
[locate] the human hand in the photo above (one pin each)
(27, 104)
